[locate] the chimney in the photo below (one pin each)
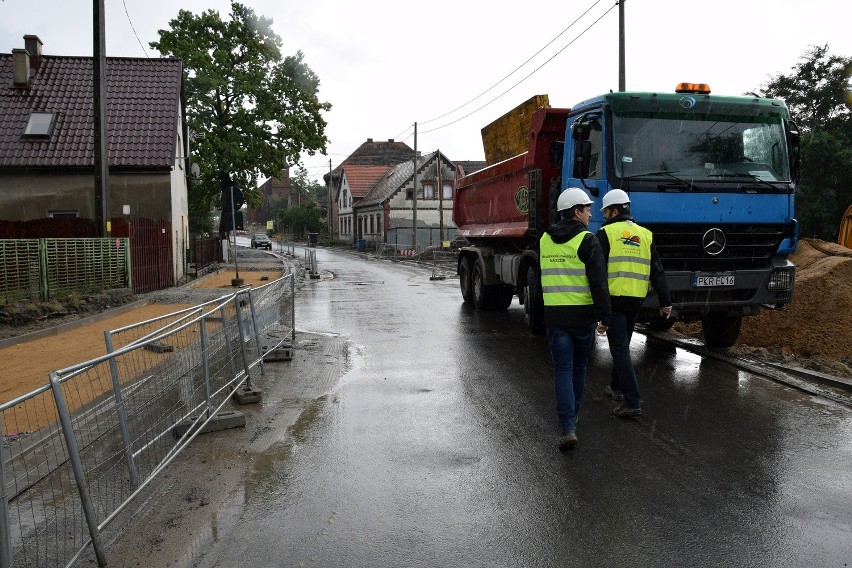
(21, 67)
(369, 140)
(390, 140)
(33, 45)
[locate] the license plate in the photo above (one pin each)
(708, 280)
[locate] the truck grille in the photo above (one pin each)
(681, 246)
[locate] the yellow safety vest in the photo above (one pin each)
(563, 274)
(629, 263)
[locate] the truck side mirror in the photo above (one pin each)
(793, 148)
(582, 155)
(580, 131)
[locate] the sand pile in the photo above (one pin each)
(818, 322)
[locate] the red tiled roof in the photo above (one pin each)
(143, 111)
(362, 178)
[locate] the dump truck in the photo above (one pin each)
(713, 177)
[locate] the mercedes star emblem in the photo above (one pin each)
(714, 241)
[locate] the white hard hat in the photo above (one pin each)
(615, 197)
(572, 197)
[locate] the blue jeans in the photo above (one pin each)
(623, 377)
(570, 349)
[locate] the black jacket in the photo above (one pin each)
(658, 274)
(590, 253)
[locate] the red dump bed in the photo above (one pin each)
(493, 202)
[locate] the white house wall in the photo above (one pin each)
(179, 210)
(345, 225)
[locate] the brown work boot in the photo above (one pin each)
(567, 440)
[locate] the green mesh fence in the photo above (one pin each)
(48, 268)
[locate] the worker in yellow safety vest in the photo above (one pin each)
(632, 265)
(575, 297)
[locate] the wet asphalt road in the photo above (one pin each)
(437, 447)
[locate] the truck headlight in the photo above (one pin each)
(781, 279)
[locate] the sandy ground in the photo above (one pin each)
(30, 358)
(816, 329)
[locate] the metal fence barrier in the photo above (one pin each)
(387, 250)
(311, 263)
(78, 450)
(444, 262)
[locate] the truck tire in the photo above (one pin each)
(465, 281)
(501, 297)
(480, 292)
(533, 302)
(660, 325)
(720, 329)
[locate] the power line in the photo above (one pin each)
(560, 34)
(134, 29)
(526, 77)
(516, 69)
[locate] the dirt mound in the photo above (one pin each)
(818, 321)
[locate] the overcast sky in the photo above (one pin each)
(386, 64)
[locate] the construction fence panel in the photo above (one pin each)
(20, 274)
(76, 452)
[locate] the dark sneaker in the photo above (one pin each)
(614, 394)
(567, 441)
(624, 412)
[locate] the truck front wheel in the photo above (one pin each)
(533, 302)
(479, 291)
(465, 281)
(720, 329)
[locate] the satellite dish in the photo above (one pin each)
(195, 170)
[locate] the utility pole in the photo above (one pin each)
(621, 78)
(235, 281)
(440, 203)
(414, 196)
(330, 201)
(100, 115)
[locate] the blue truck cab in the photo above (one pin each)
(713, 177)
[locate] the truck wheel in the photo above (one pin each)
(660, 325)
(481, 292)
(533, 302)
(465, 281)
(501, 297)
(720, 329)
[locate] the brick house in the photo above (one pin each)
(277, 189)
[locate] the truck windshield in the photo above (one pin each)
(700, 147)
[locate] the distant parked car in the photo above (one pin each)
(260, 240)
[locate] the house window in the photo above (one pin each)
(448, 191)
(429, 191)
(40, 125)
(62, 214)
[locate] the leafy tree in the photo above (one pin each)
(301, 219)
(817, 91)
(310, 190)
(251, 110)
